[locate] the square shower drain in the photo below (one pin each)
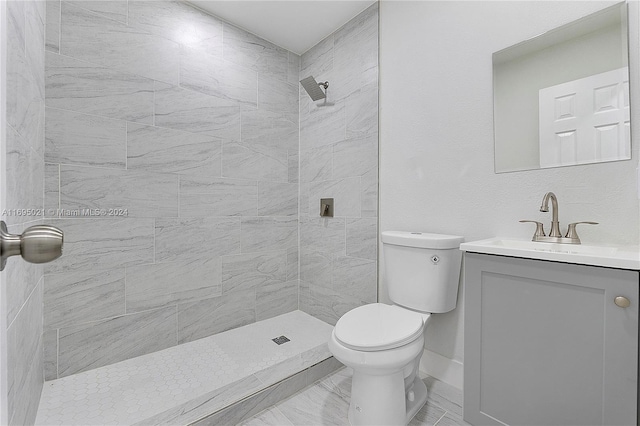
(280, 340)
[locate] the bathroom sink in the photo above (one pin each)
(623, 257)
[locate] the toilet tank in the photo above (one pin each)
(422, 270)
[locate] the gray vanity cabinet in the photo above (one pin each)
(546, 344)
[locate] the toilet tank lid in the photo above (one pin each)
(422, 239)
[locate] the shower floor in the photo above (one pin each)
(185, 382)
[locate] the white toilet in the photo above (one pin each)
(383, 343)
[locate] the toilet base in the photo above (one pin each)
(382, 400)
(419, 399)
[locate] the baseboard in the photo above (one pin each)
(442, 368)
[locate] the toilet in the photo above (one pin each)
(383, 343)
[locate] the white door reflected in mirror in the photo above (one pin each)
(585, 120)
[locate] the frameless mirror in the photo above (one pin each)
(562, 98)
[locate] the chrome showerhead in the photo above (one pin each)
(313, 88)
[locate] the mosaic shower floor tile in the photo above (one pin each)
(137, 389)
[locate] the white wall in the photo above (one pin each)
(436, 144)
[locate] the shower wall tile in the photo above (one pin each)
(22, 279)
(20, 81)
(113, 9)
(329, 305)
(167, 284)
(276, 95)
(293, 68)
(195, 112)
(293, 158)
(141, 194)
(90, 140)
(101, 40)
(316, 163)
(318, 60)
(356, 278)
(156, 149)
(93, 345)
(322, 234)
(268, 233)
(50, 348)
(212, 316)
(16, 26)
(356, 53)
(369, 195)
(52, 25)
(51, 190)
(99, 243)
(277, 199)
(250, 51)
(293, 262)
(361, 112)
(324, 125)
(215, 76)
(25, 95)
(25, 102)
(245, 161)
(303, 204)
(23, 45)
(34, 41)
(270, 129)
(24, 179)
(77, 297)
(202, 197)
(253, 271)
(84, 87)
(339, 159)
(179, 22)
(273, 299)
(193, 126)
(345, 192)
(188, 239)
(355, 157)
(316, 267)
(362, 238)
(25, 360)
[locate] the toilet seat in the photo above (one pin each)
(377, 327)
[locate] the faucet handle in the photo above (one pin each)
(571, 231)
(539, 229)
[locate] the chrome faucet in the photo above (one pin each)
(555, 236)
(544, 207)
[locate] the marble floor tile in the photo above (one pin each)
(326, 402)
(269, 417)
(316, 406)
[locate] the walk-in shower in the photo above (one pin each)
(176, 152)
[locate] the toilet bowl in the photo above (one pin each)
(383, 343)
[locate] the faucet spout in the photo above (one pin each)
(555, 225)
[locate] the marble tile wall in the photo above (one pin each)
(185, 128)
(339, 159)
(24, 154)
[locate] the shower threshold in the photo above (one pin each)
(215, 380)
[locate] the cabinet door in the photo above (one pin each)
(545, 344)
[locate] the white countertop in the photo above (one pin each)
(611, 256)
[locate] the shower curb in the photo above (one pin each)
(275, 393)
(246, 397)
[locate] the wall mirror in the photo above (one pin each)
(562, 98)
